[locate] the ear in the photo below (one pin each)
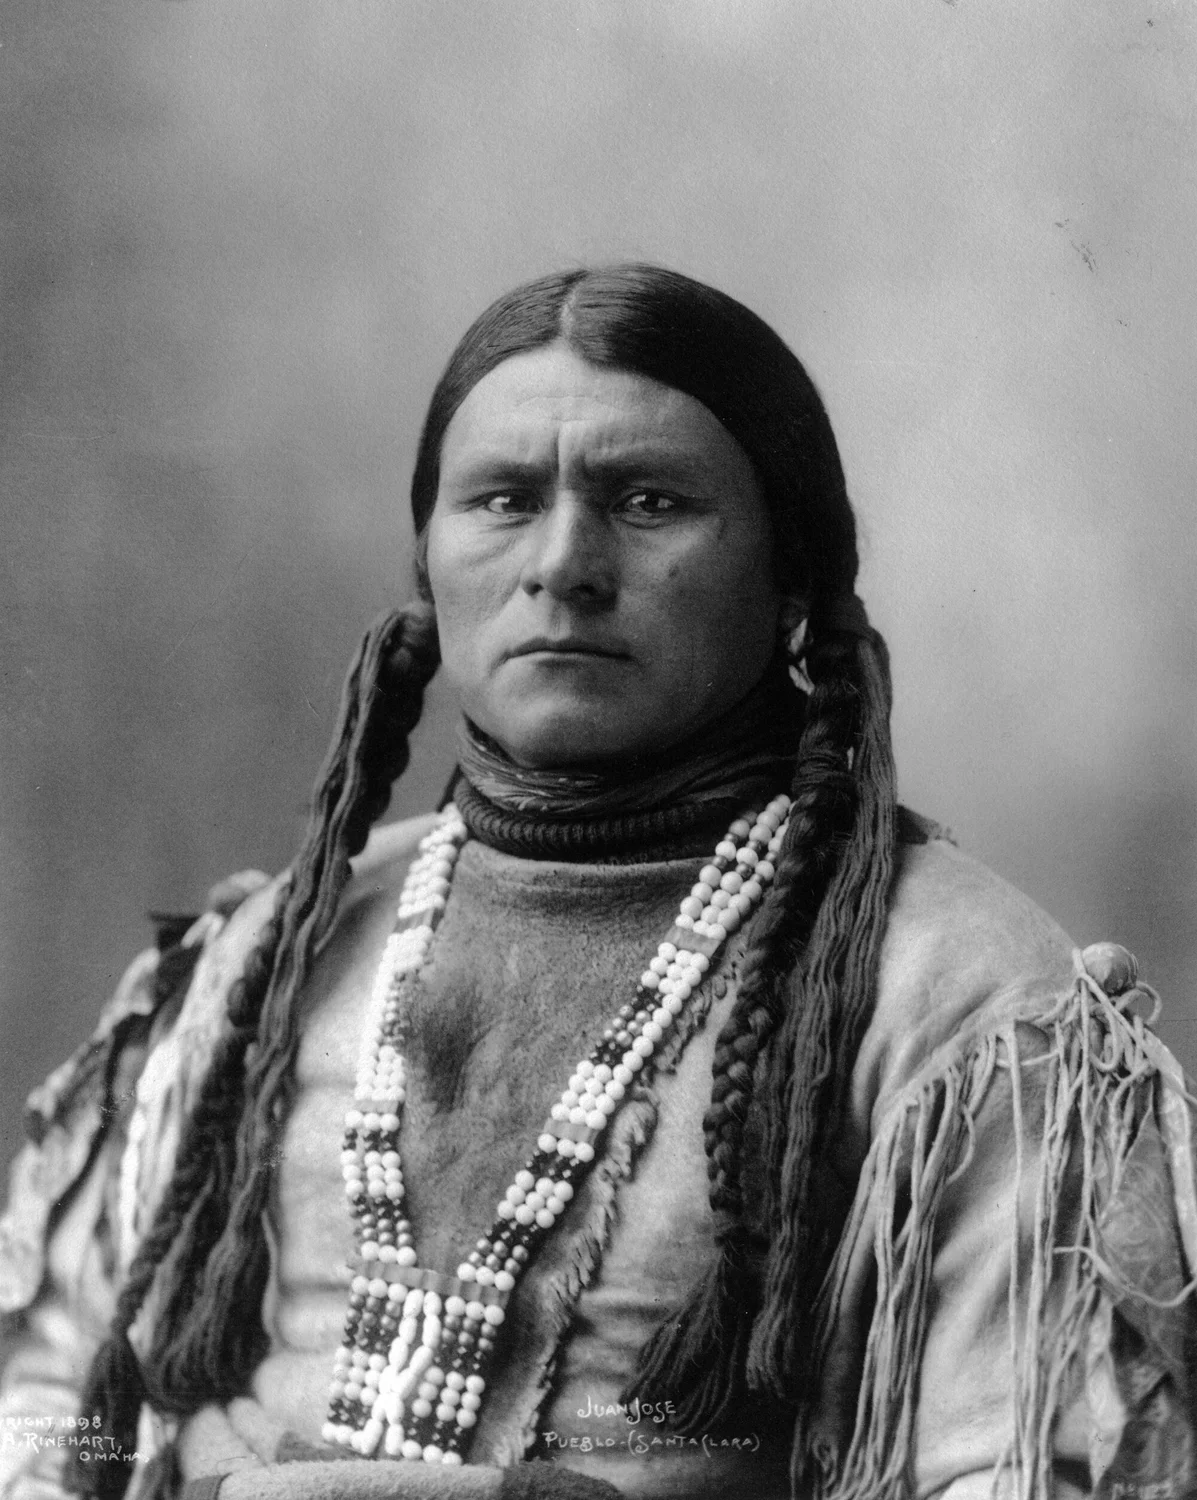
(793, 620)
(792, 614)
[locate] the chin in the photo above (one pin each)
(568, 739)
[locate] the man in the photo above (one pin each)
(703, 1124)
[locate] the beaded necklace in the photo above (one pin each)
(412, 1366)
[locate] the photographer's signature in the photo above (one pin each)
(37, 1434)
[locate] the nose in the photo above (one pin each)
(570, 554)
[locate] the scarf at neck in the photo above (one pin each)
(642, 805)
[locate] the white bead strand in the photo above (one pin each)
(408, 1378)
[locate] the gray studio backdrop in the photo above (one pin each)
(239, 241)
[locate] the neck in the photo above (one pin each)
(647, 806)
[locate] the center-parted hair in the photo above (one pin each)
(808, 974)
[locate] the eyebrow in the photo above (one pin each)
(498, 466)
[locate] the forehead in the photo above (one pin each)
(550, 406)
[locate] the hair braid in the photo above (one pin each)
(727, 1337)
(204, 1249)
(829, 999)
(398, 652)
(823, 799)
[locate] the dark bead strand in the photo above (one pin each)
(460, 1322)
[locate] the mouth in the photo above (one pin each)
(568, 646)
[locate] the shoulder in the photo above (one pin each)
(954, 923)
(998, 1163)
(85, 1105)
(381, 865)
(227, 943)
(963, 949)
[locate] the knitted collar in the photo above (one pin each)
(648, 807)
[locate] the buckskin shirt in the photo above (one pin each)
(1011, 1294)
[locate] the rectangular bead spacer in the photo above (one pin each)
(428, 1281)
(562, 1130)
(682, 937)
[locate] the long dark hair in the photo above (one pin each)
(656, 323)
(807, 977)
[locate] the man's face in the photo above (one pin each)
(600, 558)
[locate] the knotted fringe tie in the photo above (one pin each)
(1097, 1058)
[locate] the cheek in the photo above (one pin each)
(438, 568)
(724, 602)
(469, 592)
(466, 571)
(748, 588)
(453, 575)
(457, 626)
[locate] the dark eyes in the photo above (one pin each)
(648, 505)
(510, 503)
